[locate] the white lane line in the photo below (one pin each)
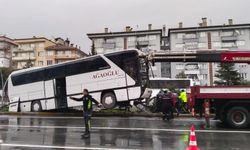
(58, 147)
(129, 129)
(113, 118)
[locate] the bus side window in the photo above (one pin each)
(97, 64)
(117, 59)
(55, 72)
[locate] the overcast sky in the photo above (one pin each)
(75, 18)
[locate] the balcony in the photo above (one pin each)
(3, 47)
(190, 40)
(23, 50)
(143, 43)
(18, 58)
(192, 72)
(66, 57)
(229, 38)
(110, 45)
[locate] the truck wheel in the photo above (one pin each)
(109, 100)
(238, 117)
(36, 106)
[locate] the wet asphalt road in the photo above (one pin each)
(50, 133)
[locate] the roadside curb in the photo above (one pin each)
(95, 114)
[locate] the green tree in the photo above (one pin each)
(5, 72)
(181, 75)
(227, 75)
(93, 51)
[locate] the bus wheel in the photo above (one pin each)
(109, 100)
(36, 106)
(238, 117)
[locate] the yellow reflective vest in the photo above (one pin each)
(183, 97)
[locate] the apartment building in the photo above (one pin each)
(7, 46)
(31, 51)
(228, 36)
(144, 40)
(63, 51)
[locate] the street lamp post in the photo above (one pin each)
(1, 72)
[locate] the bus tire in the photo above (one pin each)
(238, 117)
(109, 100)
(36, 106)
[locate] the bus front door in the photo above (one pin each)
(60, 93)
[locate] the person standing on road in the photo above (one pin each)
(183, 97)
(87, 109)
(167, 105)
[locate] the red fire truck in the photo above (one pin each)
(231, 104)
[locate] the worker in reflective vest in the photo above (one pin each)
(87, 109)
(183, 97)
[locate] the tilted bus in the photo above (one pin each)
(111, 78)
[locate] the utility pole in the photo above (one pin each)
(210, 65)
(2, 83)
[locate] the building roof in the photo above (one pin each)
(61, 47)
(208, 28)
(8, 40)
(124, 33)
(64, 47)
(33, 39)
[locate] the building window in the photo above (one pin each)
(180, 35)
(190, 35)
(191, 45)
(240, 43)
(40, 54)
(228, 44)
(179, 45)
(152, 37)
(202, 45)
(41, 45)
(68, 53)
(40, 63)
(131, 39)
(204, 76)
(243, 75)
(203, 34)
(215, 34)
(203, 66)
(49, 62)
(242, 32)
(32, 45)
(110, 40)
(227, 33)
(216, 44)
(142, 38)
(180, 66)
(60, 53)
(50, 53)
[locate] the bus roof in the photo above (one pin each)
(70, 62)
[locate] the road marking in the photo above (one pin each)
(113, 118)
(129, 129)
(59, 147)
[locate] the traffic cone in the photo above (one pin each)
(192, 140)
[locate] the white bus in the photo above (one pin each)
(111, 78)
